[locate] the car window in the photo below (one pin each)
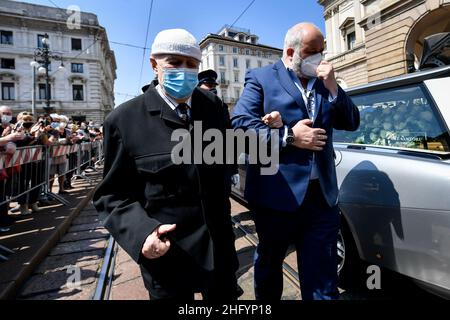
(398, 117)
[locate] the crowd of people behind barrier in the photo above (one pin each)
(34, 150)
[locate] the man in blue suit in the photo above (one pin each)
(298, 204)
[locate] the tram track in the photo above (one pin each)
(288, 271)
(106, 276)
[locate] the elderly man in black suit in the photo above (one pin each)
(173, 219)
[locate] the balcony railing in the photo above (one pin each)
(349, 55)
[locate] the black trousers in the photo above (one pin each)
(175, 276)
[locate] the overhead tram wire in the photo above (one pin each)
(145, 45)
(243, 12)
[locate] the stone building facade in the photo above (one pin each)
(369, 40)
(83, 89)
(231, 52)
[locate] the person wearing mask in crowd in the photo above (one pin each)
(58, 136)
(65, 138)
(174, 219)
(297, 205)
(28, 171)
(8, 140)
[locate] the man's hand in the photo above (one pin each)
(156, 245)
(307, 137)
(325, 72)
(273, 120)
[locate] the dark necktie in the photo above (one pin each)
(183, 112)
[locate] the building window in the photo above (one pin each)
(6, 37)
(247, 52)
(77, 68)
(40, 37)
(259, 63)
(8, 63)
(76, 44)
(43, 91)
(237, 93)
(221, 61)
(78, 94)
(221, 49)
(8, 91)
(247, 64)
(222, 77)
(236, 76)
(351, 40)
(235, 63)
(259, 53)
(235, 50)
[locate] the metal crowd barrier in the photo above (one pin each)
(25, 176)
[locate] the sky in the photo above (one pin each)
(126, 22)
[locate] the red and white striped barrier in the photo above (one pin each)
(21, 156)
(58, 151)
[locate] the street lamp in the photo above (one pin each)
(42, 60)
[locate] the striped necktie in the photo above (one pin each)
(183, 112)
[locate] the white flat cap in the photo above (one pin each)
(176, 41)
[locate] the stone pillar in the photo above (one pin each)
(358, 29)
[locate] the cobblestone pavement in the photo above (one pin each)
(82, 250)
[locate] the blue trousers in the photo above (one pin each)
(313, 230)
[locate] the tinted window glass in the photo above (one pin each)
(400, 117)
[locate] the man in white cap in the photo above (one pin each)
(174, 220)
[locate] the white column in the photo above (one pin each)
(358, 29)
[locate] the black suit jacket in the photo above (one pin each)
(142, 188)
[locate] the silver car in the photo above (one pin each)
(394, 180)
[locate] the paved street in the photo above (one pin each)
(83, 248)
(50, 232)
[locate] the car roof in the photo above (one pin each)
(406, 79)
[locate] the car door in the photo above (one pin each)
(394, 179)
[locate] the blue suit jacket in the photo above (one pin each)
(272, 89)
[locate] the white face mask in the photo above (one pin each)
(307, 67)
(6, 119)
(310, 65)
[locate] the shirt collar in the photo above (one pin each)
(295, 78)
(169, 100)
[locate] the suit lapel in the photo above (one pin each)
(196, 107)
(288, 84)
(156, 104)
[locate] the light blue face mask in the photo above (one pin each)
(55, 125)
(180, 83)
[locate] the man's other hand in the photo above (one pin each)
(273, 120)
(156, 245)
(325, 72)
